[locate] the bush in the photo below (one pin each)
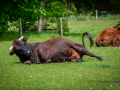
(64, 24)
(83, 17)
(109, 17)
(3, 28)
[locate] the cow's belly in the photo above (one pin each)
(60, 54)
(65, 55)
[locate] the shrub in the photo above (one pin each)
(64, 24)
(89, 16)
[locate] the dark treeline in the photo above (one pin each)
(111, 6)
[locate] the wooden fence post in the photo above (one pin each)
(61, 27)
(96, 15)
(67, 26)
(20, 28)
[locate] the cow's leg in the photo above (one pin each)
(41, 54)
(115, 43)
(22, 60)
(99, 43)
(63, 59)
(35, 58)
(92, 55)
(75, 59)
(80, 59)
(83, 51)
(28, 62)
(74, 56)
(48, 61)
(118, 45)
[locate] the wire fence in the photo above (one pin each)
(49, 25)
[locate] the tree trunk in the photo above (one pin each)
(20, 27)
(39, 30)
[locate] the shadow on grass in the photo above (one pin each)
(73, 34)
(11, 36)
(67, 62)
(18, 63)
(57, 62)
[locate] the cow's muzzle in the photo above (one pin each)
(29, 53)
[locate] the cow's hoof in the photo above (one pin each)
(73, 61)
(101, 58)
(49, 61)
(27, 62)
(79, 60)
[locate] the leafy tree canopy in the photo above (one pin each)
(12, 10)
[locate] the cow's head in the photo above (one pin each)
(20, 49)
(118, 26)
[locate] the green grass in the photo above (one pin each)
(85, 75)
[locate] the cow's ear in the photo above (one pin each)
(25, 39)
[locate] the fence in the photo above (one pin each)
(57, 25)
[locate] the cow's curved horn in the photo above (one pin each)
(18, 39)
(21, 38)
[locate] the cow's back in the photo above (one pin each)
(58, 42)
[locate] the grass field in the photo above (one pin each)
(85, 75)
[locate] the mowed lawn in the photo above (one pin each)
(85, 75)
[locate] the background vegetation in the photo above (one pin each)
(30, 10)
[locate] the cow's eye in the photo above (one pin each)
(18, 50)
(21, 53)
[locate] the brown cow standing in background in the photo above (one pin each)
(109, 37)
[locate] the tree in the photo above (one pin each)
(30, 10)
(42, 4)
(100, 5)
(12, 10)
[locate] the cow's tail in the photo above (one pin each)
(90, 39)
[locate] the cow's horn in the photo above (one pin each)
(21, 38)
(18, 39)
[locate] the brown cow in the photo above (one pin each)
(109, 37)
(56, 49)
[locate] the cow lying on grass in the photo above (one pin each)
(56, 49)
(109, 37)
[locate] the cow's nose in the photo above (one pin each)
(28, 53)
